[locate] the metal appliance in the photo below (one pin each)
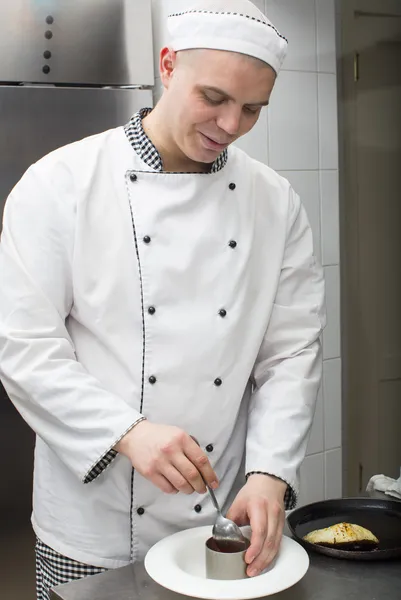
(68, 69)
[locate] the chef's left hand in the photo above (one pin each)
(260, 504)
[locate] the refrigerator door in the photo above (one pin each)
(91, 42)
(33, 122)
(36, 120)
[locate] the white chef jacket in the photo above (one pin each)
(92, 239)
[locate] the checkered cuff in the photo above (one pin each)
(101, 466)
(290, 498)
(106, 460)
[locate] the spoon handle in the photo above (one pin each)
(209, 489)
(214, 499)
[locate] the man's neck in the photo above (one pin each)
(174, 161)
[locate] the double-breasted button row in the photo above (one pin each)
(134, 178)
(217, 382)
(141, 511)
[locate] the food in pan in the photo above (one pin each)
(345, 536)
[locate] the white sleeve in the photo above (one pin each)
(288, 370)
(57, 397)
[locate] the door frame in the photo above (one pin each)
(355, 437)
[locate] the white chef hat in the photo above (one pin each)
(233, 25)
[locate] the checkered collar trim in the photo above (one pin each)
(148, 152)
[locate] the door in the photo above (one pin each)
(371, 217)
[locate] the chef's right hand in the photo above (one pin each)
(168, 457)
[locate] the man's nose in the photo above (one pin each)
(229, 120)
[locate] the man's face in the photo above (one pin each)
(212, 99)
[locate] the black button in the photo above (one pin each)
(233, 244)
(49, 20)
(222, 313)
(48, 35)
(218, 382)
(232, 186)
(198, 508)
(47, 54)
(46, 69)
(147, 239)
(151, 310)
(152, 379)
(133, 177)
(140, 511)
(209, 448)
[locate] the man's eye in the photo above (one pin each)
(252, 111)
(213, 101)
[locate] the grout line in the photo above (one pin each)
(320, 187)
(308, 71)
(316, 35)
(315, 454)
(307, 170)
(301, 170)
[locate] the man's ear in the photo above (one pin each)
(168, 61)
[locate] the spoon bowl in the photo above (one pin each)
(225, 532)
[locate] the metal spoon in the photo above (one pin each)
(225, 531)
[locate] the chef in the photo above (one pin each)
(157, 284)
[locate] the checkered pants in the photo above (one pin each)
(54, 569)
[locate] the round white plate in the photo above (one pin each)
(178, 563)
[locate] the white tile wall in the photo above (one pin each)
(328, 121)
(330, 220)
(333, 473)
(260, 4)
(255, 143)
(326, 36)
(306, 184)
(293, 122)
(298, 136)
(296, 20)
(332, 403)
(316, 440)
(312, 479)
(331, 335)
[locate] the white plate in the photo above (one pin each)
(178, 563)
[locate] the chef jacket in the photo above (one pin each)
(127, 292)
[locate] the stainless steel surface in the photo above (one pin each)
(33, 122)
(93, 42)
(327, 579)
(56, 57)
(37, 120)
(225, 565)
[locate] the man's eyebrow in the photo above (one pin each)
(228, 97)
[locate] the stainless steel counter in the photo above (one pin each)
(327, 579)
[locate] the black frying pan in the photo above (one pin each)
(381, 517)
